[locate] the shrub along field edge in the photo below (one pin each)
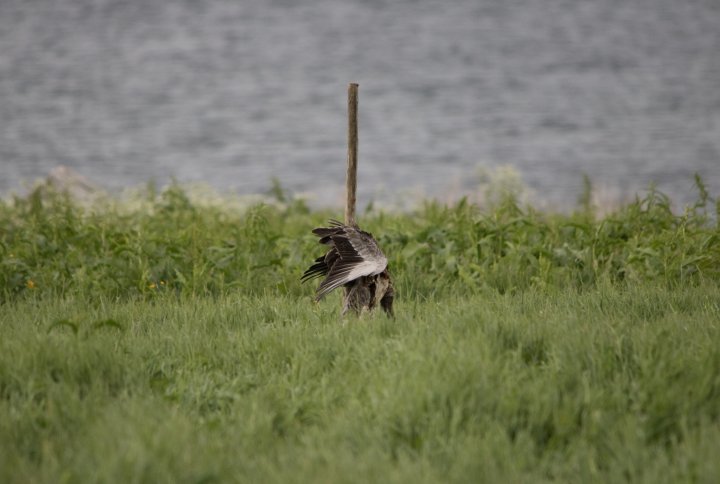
(164, 242)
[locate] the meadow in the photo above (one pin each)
(166, 339)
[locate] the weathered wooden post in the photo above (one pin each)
(351, 177)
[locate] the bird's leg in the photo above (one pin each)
(382, 292)
(357, 296)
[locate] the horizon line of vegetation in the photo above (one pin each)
(165, 244)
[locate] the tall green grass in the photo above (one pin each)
(163, 242)
(606, 385)
(161, 339)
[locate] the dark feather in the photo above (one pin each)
(319, 268)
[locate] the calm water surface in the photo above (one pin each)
(234, 93)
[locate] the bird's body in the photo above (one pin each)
(354, 260)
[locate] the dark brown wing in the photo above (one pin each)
(322, 266)
(353, 254)
(319, 268)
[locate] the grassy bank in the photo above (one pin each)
(164, 340)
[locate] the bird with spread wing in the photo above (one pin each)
(354, 261)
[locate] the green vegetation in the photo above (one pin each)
(161, 339)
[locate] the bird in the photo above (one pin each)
(354, 261)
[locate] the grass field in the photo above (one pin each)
(162, 339)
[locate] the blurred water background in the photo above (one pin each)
(234, 93)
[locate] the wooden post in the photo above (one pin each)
(351, 178)
(366, 292)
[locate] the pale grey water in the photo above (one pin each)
(236, 92)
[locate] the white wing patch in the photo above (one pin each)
(341, 274)
(368, 249)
